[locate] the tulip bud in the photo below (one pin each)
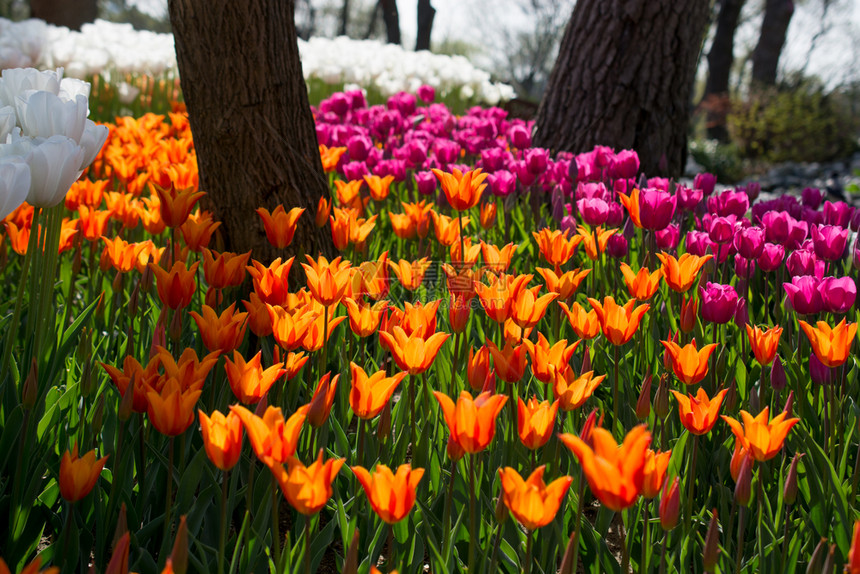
(86, 382)
(501, 511)
(323, 211)
(590, 422)
(383, 429)
(125, 403)
(667, 356)
(146, 278)
(661, 399)
(731, 401)
(722, 358)
(777, 375)
(121, 525)
(179, 555)
(214, 297)
(350, 564)
(789, 491)
(116, 284)
(815, 560)
(711, 552)
(754, 400)
(454, 450)
(586, 361)
(789, 405)
(670, 504)
(84, 349)
(175, 328)
(322, 401)
(262, 406)
(742, 314)
(829, 562)
(99, 414)
(643, 405)
(133, 300)
(743, 486)
(159, 334)
(77, 261)
(688, 314)
(30, 392)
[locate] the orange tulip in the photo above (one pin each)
(171, 410)
(573, 390)
(198, 229)
(556, 247)
(447, 228)
(830, 344)
(615, 474)
(478, 368)
(739, 455)
(121, 255)
(459, 309)
(689, 364)
(410, 274)
(391, 495)
(364, 318)
(498, 297)
(488, 215)
(472, 422)
(271, 283)
(360, 228)
(412, 354)
(341, 222)
(656, 465)
(509, 362)
(535, 421)
(148, 253)
(307, 488)
(631, 204)
(378, 186)
(280, 224)
(248, 380)
(223, 332)
(528, 309)
(402, 225)
(315, 336)
(223, 270)
(472, 252)
(643, 284)
(586, 325)
(175, 205)
(175, 287)
(294, 363)
(463, 190)
(498, 259)
(547, 359)
(564, 284)
(323, 211)
(420, 214)
(327, 281)
(123, 207)
(330, 156)
(370, 278)
(369, 395)
(699, 413)
(592, 249)
(92, 222)
(853, 566)
(78, 476)
(189, 371)
(761, 438)
(764, 343)
(681, 273)
(222, 438)
(133, 373)
(688, 314)
(322, 400)
(533, 503)
(618, 323)
(33, 567)
(349, 193)
(273, 439)
(419, 319)
(258, 316)
(514, 334)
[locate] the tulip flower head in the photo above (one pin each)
(689, 364)
(327, 281)
(222, 438)
(273, 439)
(564, 284)
(718, 303)
(547, 359)
(413, 354)
(391, 495)
(177, 286)
(223, 332)
(472, 422)
(762, 439)
(572, 390)
(463, 190)
(641, 285)
(615, 473)
(656, 465)
(831, 345)
(586, 324)
(532, 502)
(619, 323)
(681, 273)
(307, 488)
(764, 343)
(699, 413)
(280, 224)
(78, 475)
(322, 400)
(556, 247)
(369, 394)
(509, 361)
(535, 421)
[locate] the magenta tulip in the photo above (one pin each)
(838, 213)
(811, 197)
(593, 211)
(625, 164)
(749, 242)
(771, 257)
(837, 294)
(656, 208)
(829, 241)
(706, 182)
(718, 303)
(688, 198)
(668, 239)
(729, 203)
(803, 294)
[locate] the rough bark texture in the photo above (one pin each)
(720, 60)
(426, 14)
(70, 13)
(344, 18)
(774, 27)
(253, 129)
(623, 78)
(392, 21)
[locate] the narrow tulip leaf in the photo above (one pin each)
(69, 338)
(9, 435)
(190, 480)
(237, 550)
(320, 542)
(842, 526)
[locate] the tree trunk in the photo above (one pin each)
(774, 27)
(623, 78)
(392, 21)
(70, 13)
(720, 60)
(253, 129)
(344, 18)
(426, 13)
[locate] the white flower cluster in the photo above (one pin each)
(107, 48)
(392, 69)
(47, 140)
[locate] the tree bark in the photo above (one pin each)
(392, 21)
(720, 60)
(248, 107)
(426, 14)
(774, 28)
(70, 13)
(623, 78)
(344, 18)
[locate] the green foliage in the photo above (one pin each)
(796, 121)
(722, 160)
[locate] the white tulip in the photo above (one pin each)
(16, 81)
(14, 184)
(92, 141)
(54, 167)
(8, 120)
(42, 114)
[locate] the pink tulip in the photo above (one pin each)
(656, 208)
(729, 203)
(706, 182)
(718, 303)
(771, 257)
(625, 165)
(838, 213)
(426, 93)
(502, 183)
(594, 211)
(749, 242)
(668, 239)
(811, 197)
(801, 262)
(829, 241)
(803, 294)
(688, 198)
(616, 246)
(837, 294)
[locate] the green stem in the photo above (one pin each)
(473, 534)
(625, 550)
(446, 516)
(527, 567)
(739, 554)
(222, 534)
(691, 489)
(615, 391)
(580, 504)
(276, 528)
(643, 561)
(307, 545)
(168, 504)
